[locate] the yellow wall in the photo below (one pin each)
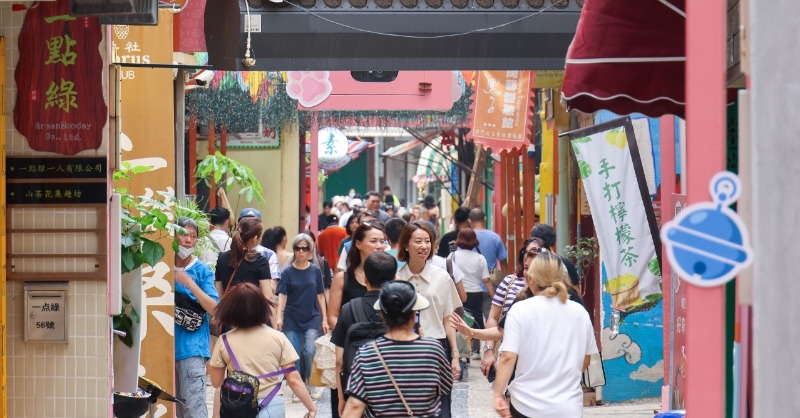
(277, 170)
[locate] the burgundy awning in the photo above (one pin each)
(628, 56)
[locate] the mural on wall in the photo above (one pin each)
(634, 357)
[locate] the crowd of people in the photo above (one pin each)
(393, 298)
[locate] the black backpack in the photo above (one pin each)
(367, 326)
(239, 391)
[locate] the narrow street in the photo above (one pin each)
(473, 399)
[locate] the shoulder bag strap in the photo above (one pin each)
(277, 387)
(389, 373)
(230, 353)
(225, 290)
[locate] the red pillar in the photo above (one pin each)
(705, 156)
(314, 204)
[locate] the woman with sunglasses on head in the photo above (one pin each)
(547, 342)
(350, 283)
(415, 247)
(400, 373)
(301, 305)
(504, 297)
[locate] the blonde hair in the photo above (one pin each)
(548, 274)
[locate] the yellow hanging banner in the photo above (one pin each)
(148, 139)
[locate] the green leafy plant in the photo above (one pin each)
(144, 220)
(125, 320)
(222, 171)
(584, 254)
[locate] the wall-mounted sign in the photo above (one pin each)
(60, 105)
(46, 312)
(268, 139)
(332, 145)
(309, 88)
(55, 193)
(55, 168)
(707, 243)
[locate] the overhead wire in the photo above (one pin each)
(399, 35)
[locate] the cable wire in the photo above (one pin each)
(397, 35)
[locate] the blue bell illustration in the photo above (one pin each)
(707, 242)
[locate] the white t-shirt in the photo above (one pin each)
(474, 267)
(551, 340)
(441, 262)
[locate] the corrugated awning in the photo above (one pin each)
(433, 165)
(401, 149)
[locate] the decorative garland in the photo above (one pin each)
(237, 99)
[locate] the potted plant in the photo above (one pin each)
(584, 254)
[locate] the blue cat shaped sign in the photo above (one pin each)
(707, 243)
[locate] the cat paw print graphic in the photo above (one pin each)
(309, 88)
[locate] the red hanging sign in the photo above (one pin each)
(60, 106)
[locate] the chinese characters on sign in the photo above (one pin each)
(72, 180)
(501, 109)
(60, 103)
(51, 168)
(626, 233)
(127, 51)
(55, 193)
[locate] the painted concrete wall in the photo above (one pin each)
(634, 358)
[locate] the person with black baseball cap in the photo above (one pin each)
(415, 367)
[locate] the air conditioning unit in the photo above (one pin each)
(117, 12)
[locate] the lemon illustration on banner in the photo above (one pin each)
(617, 138)
(707, 243)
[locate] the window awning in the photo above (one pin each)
(627, 57)
(433, 165)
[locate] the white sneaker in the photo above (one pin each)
(315, 392)
(295, 399)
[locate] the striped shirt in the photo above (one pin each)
(507, 291)
(420, 369)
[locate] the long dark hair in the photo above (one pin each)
(354, 255)
(248, 228)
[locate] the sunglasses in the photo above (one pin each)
(535, 251)
(302, 249)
